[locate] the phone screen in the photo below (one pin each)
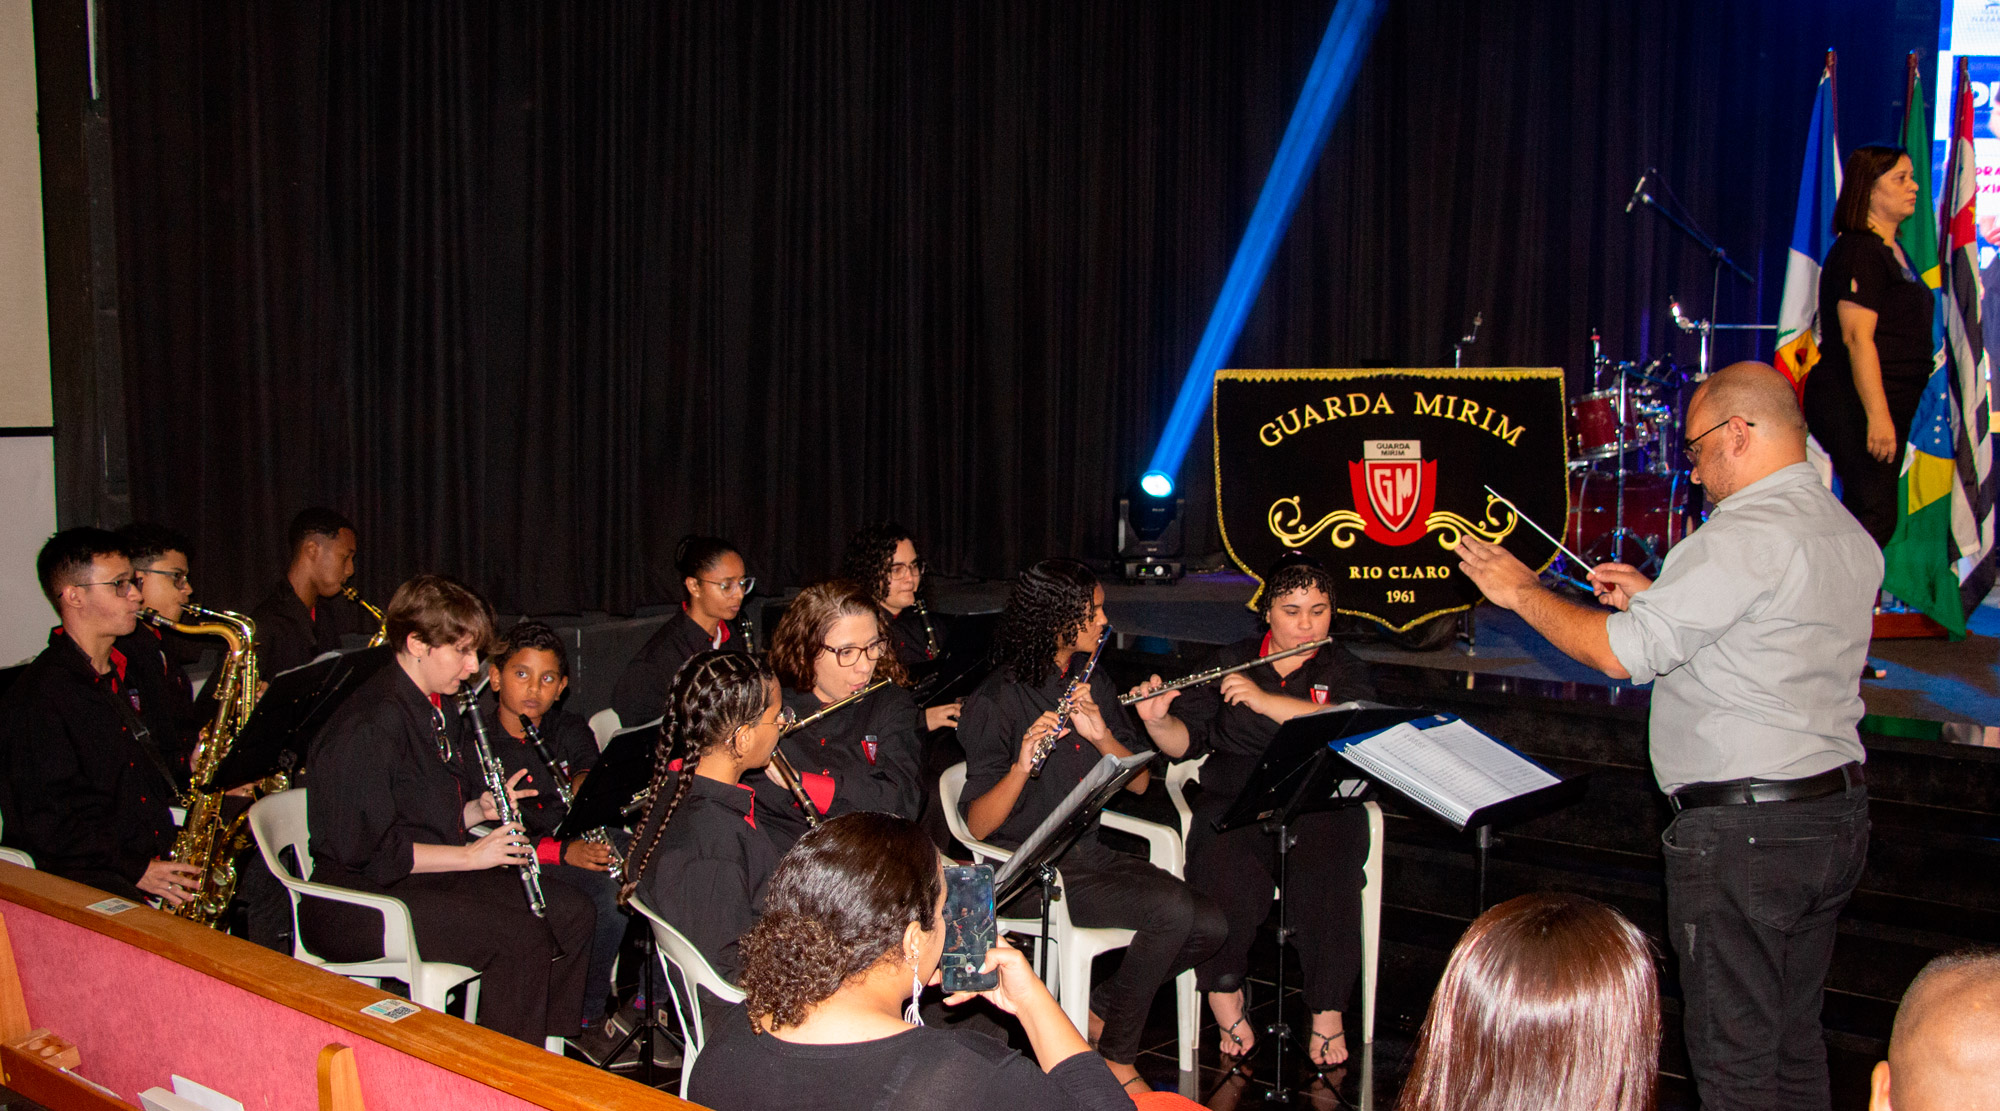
(968, 928)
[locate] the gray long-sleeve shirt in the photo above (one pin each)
(1754, 636)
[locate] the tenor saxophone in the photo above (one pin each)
(381, 636)
(211, 838)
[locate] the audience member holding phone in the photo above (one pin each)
(852, 930)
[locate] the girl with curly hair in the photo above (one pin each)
(1232, 723)
(882, 559)
(851, 929)
(866, 755)
(1053, 619)
(703, 853)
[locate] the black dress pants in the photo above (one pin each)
(1753, 894)
(1175, 929)
(480, 920)
(1867, 485)
(1322, 894)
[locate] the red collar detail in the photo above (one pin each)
(721, 635)
(118, 663)
(437, 701)
(751, 817)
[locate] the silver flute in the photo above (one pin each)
(496, 784)
(1211, 676)
(1047, 744)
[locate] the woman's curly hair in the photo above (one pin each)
(715, 693)
(836, 907)
(1050, 604)
(869, 552)
(1293, 571)
(801, 634)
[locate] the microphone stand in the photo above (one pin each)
(1718, 259)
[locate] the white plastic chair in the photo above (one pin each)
(682, 962)
(603, 724)
(279, 820)
(1189, 771)
(1077, 946)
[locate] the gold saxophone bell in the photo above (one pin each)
(211, 839)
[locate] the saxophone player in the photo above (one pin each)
(305, 616)
(95, 755)
(393, 793)
(529, 673)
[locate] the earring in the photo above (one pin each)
(910, 1013)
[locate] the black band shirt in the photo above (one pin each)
(568, 739)
(380, 784)
(641, 693)
(990, 729)
(1862, 269)
(708, 874)
(1329, 676)
(82, 793)
(289, 634)
(863, 756)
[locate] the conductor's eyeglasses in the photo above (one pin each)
(1688, 446)
(845, 656)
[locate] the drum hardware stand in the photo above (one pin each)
(1707, 328)
(1465, 341)
(1718, 259)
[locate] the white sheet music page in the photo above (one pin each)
(1453, 766)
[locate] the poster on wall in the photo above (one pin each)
(1380, 473)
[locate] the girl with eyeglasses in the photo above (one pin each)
(704, 852)
(882, 559)
(712, 575)
(866, 755)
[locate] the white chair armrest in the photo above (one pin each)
(397, 931)
(1163, 844)
(983, 850)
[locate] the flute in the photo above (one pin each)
(1047, 744)
(1211, 676)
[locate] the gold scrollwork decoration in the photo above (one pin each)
(1285, 518)
(1452, 528)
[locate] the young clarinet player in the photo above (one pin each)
(882, 559)
(1052, 623)
(865, 755)
(395, 787)
(1232, 723)
(712, 573)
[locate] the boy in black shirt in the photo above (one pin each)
(305, 616)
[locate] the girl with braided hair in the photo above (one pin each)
(1232, 723)
(851, 930)
(703, 856)
(1052, 621)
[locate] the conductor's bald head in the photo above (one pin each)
(1945, 1049)
(1744, 423)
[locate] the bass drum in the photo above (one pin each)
(1656, 511)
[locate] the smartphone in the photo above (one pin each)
(968, 928)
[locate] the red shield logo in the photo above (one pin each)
(1394, 487)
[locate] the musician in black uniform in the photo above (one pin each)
(395, 787)
(94, 754)
(1232, 722)
(864, 756)
(1052, 622)
(529, 672)
(703, 854)
(882, 559)
(305, 615)
(712, 574)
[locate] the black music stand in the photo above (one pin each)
(1298, 775)
(1035, 861)
(291, 711)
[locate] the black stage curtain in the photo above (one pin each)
(532, 289)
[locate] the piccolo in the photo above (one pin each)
(790, 775)
(1199, 678)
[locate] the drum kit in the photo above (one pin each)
(1629, 495)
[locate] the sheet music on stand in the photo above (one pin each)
(1452, 769)
(1065, 822)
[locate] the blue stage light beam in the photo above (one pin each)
(1348, 33)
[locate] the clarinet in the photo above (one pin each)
(1211, 676)
(1047, 744)
(930, 634)
(496, 784)
(560, 769)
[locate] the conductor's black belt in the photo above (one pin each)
(1737, 792)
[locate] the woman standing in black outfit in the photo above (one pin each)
(712, 574)
(865, 755)
(1232, 723)
(1875, 316)
(704, 851)
(394, 787)
(852, 925)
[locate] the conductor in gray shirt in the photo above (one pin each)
(1753, 637)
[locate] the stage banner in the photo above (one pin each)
(1379, 473)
